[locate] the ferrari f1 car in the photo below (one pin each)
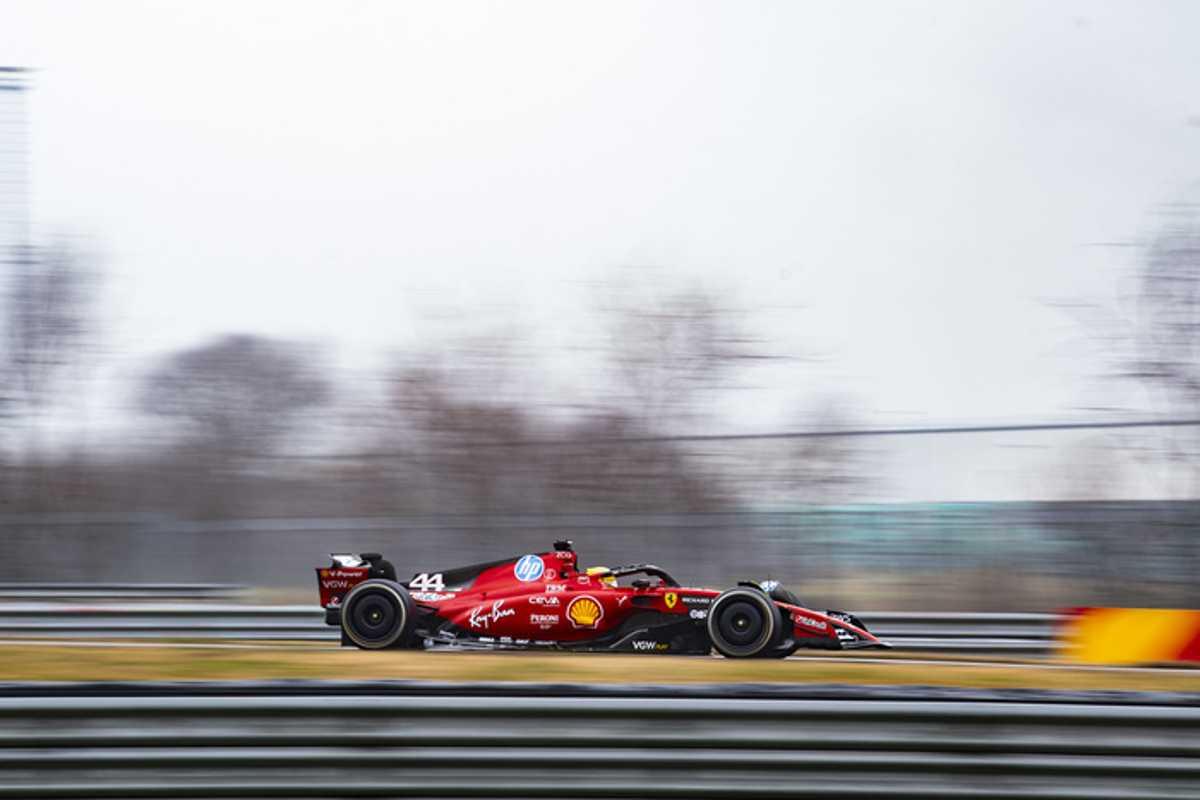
(546, 601)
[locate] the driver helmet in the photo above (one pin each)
(604, 573)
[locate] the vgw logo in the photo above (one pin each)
(529, 568)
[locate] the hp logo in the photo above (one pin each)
(529, 568)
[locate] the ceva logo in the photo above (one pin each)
(529, 568)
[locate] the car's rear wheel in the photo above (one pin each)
(377, 613)
(744, 623)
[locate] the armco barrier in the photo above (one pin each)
(75, 592)
(964, 632)
(1017, 634)
(569, 742)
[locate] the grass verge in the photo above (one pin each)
(126, 662)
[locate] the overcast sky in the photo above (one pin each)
(903, 189)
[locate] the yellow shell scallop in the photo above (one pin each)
(584, 612)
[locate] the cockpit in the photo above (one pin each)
(609, 575)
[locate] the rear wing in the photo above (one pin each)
(346, 571)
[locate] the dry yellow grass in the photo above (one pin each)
(51, 662)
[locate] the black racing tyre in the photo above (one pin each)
(744, 623)
(377, 613)
(782, 652)
(784, 595)
(779, 593)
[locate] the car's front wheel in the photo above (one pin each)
(377, 613)
(744, 623)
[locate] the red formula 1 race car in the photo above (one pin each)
(546, 601)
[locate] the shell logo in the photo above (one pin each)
(585, 612)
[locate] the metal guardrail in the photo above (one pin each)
(47, 592)
(964, 632)
(557, 743)
(165, 620)
(1028, 634)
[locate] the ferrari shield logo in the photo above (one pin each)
(671, 599)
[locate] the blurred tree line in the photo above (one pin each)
(245, 425)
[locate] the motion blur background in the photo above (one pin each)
(450, 282)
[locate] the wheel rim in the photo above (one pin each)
(374, 616)
(741, 623)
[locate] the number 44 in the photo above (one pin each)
(427, 583)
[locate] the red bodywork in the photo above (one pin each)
(544, 599)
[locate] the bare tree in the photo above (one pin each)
(823, 469)
(669, 354)
(49, 306)
(595, 469)
(474, 441)
(236, 395)
(1169, 327)
(49, 315)
(455, 433)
